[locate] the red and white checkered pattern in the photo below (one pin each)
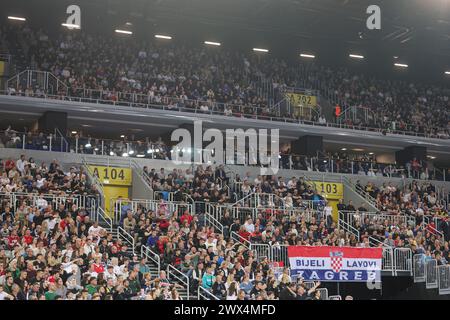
(336, 263)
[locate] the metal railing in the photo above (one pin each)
(147, 253)
(427, 225)
(240, 240)
(123, 235)
(203, 294)
(143, 177)
(193, 106)
(388, 262)
(431, 274)
(377, 217)
(34, 199)
(170, 208)
(46, 82)
(323, 293)
(444, 279)
(102, 218)
(210, 221)
(174, 273)
(403, 261)
(94, 179)
(262, 251)
(279, 253)
(243, 213)
(419, 270)
(344, 225)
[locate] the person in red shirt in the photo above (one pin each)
(13, 239)
(98, 266)
(164, 224)
(244, 233)
(9, 164)
(337, 112)
(27, 238)
(186, 217)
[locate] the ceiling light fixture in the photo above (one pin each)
(306, 55)
(217, 44)
(401, 65)
(159, 36)
(71, 26)
(16, 18)
(260, 50)
(124, 31)
(356, 56)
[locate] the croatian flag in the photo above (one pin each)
(336, 263)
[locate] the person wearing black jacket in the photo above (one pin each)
(445, 227)
(235, 226)
(341, 206)
(350, 206)
(218, 288)
(288, 292)
(226, 221)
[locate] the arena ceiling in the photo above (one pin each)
(415, 31)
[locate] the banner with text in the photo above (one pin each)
(336, 263)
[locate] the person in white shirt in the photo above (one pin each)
(232, 291)
(4, 295)
(407, 196)
(39, 181)
(20, 164)
(109, 273)
(95, 230)
(88, 246)
(292, 183)
(322, 120)
(328, 211)
(53, 222)
(41, 203)
(249, 226)
(288, 201)
(211, 242)
(228, 111)
(432, 198)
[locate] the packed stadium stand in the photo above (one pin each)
(364, 163)
(185, 77)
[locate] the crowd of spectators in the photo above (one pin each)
(157, 148)
(56, 252)
(272, 227)
(176, 75)
(214, 185)
(415, 199)
(53, 251)
(217, 263)
(363, 164)
(410, 229)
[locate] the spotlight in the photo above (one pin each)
(124, 31)
(70, 26)
(16, 18)
(213, 43)
(260, 50)
(159, 36)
